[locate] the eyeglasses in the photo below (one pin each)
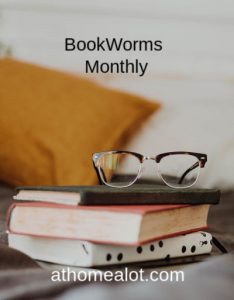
(177, 169)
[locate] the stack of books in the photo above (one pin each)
(100, 226)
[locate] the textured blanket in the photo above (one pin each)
(22, 278)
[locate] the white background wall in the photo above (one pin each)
(197, 35)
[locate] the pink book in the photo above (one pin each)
(126, 225)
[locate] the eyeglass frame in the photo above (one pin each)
(202, 159)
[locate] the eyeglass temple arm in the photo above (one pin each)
(98, 174)
(194, 166)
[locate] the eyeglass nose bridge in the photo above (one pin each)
(149, 158)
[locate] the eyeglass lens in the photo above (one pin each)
(111, 169)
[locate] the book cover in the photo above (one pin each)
(104, 195)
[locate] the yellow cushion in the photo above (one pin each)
(52, 122)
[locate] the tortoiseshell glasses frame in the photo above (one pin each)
(198, 161)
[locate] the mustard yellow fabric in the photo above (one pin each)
(52, 122)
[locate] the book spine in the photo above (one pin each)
(108, 198)
(83, 253)
(180, 246)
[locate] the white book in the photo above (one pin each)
(86, 254)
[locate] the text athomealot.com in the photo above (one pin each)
(123, 275)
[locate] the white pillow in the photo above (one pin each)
(201, 124)
(196, 128)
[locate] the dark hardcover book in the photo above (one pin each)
(103, 195)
